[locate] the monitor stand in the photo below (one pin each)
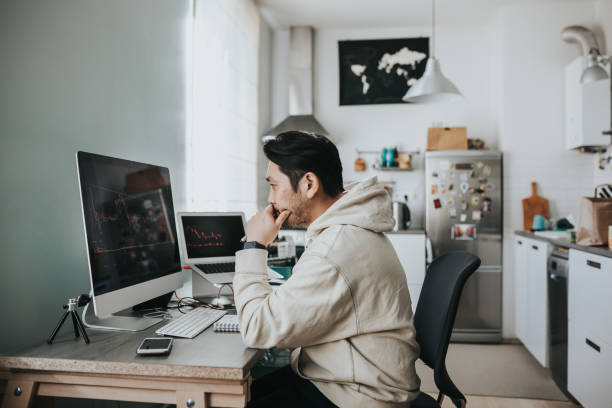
(125, 320)
(222, 301)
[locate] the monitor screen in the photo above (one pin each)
(213, 235)
(129, 221)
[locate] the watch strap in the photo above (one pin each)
(253, 244)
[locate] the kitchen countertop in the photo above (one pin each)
(596, 250)
(408, 231)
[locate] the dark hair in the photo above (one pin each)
(297, 153)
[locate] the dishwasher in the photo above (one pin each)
(557, 309)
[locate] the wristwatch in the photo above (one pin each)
(253, 244)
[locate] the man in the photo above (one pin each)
(345, 312)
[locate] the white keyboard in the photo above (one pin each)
(191, 324)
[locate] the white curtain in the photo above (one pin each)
(222, 139)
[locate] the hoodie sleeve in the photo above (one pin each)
(299, 313)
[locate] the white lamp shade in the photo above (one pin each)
(433, 86)
(592, 74)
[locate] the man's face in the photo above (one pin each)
(282, 197)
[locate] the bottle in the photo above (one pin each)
(383, 161)
(391, 157)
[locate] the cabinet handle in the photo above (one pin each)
(535, 247)
(593, 345)
(593, 264)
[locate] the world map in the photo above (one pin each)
(380, 71)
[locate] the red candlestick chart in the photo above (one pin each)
(200, 239)
(122, 222)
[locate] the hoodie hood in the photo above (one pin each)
(365, 204)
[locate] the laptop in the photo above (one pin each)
(209, 241)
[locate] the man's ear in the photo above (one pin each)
(310, 185)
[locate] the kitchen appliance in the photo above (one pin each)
(557, 309)
(401, 214)
(300, 86)
(463, 212)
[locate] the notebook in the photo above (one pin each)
(228, 323)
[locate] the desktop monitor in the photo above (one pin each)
(130, 231)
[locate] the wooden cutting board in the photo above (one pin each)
(532, 206)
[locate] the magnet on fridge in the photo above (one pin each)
(463, 217)
(443, 191)
(474, 174)
(479, 164)
(464, 186)
(450, 201)
(487, 204)
(434, 189)
(437, 203)
(442, 184)
(434, 174)
(471, 189)
(476, 215)
(486, 171)
(452, 213)
(463, 205)
(450, 187)
(475, 201)
(483, 187)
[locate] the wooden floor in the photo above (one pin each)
(476, 401)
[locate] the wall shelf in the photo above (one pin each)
(392, 168)
(411, 152)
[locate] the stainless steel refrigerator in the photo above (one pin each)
(464, 212)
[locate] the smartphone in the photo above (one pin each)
(155, 345)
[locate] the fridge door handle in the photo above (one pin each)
(490, 269)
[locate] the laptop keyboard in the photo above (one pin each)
(217, 267)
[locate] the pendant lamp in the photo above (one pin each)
(433, 86)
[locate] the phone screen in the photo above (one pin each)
(154, 344)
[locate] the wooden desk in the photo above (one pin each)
(211, 369)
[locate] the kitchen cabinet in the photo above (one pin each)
(589, 328)
(410, 249)
(531, 307)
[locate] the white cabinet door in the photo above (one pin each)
(537, 301)
(589, 348)
(415, 292)
(531, 297)
(410, 249)
(520, 288)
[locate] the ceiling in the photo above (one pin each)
(377, 13)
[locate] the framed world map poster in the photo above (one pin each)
(380, 71)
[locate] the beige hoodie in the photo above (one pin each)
(345, 311)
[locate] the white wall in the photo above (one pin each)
(105, 77)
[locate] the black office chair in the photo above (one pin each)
(434, 319)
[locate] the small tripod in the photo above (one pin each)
(73, 304)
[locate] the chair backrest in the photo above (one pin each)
(436, 311)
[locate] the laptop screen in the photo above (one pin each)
(212, 236)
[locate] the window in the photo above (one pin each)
(222, 139)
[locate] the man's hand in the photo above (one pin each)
(263, 228)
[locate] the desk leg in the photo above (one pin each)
(185, 398)
(23, 399)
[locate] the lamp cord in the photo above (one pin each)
(433, 27)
